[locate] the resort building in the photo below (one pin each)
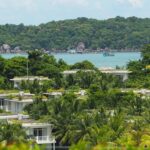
(18, 80)
(116, 72)
(15, 102)
(40, 132)
(7, 116)
(50, 95)
(72, 72)
(68, 72)
(36, 131)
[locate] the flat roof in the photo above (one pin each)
(30, 78)
(5, 95)
(53, 93)
(5, 116)
(18, 97)
(20, 101)
(75, 71)
(29, 122)
(141, 91)
(33, 123)
(111, 70)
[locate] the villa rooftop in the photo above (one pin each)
(53, 93)
(29, 122)
(19, 97)
(4, 116)
(75, 71)
(138, 91)
(30, 78)
(112, 70)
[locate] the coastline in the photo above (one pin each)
(67, 52)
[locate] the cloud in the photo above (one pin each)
(133, 3)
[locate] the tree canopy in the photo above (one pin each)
(115, 33)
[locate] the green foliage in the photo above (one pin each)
(104, 117)
(83, 65)
(20, 146)
(116, 33)
(11, 132)
(140, 77)
(39, 105)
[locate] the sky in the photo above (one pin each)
(34, 12)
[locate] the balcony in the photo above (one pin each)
(44, 139)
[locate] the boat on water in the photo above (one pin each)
(107, 53)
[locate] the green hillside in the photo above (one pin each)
(115, 33)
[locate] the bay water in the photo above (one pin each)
(119, 59)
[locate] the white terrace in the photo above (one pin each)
(15, 102)
(117, 72)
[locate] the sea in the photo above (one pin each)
(120, 59)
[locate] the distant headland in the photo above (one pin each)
(90, 35)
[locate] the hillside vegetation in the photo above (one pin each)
(116, 33)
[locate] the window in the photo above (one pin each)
(1, 102)
(39, 132)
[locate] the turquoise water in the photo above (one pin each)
(120, 59)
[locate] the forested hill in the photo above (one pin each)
(116, 33)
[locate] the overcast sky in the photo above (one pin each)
(42, 11)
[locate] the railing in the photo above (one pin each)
(44, 139)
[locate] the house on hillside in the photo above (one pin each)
(123, 74)
(15, 102)
(37, 131)
(53, 94)
(72, 72)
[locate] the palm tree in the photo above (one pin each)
(82, 127)
(11, 132)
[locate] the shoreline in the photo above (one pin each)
(100, 52)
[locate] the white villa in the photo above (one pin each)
(17, 80)
(117, 72)
(37, 131)
(15, 102)
(40, 132)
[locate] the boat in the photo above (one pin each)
(107, 53)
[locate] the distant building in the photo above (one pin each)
(37, 131)
(15, 102)
(117, 72)
(71, 72)
(53, 94)
(17, 80)
(40, 132)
